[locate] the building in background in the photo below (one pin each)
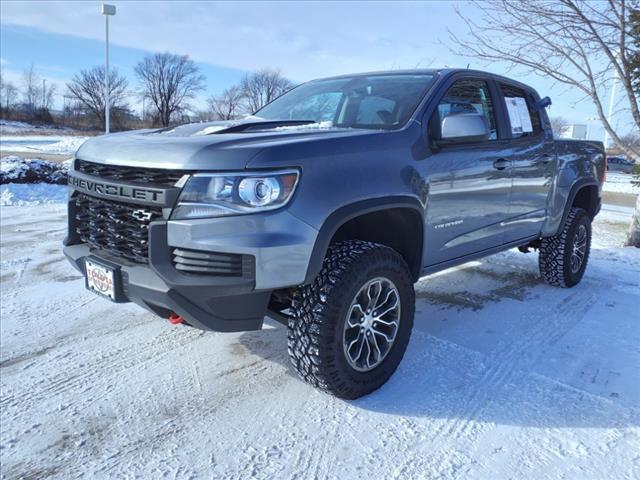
(576, 131)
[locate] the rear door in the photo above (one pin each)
(532, 163)
(469, 183)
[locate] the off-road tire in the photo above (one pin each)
(554, 260)
(319, 312)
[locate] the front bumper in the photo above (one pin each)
(278, 244)
(214, 305)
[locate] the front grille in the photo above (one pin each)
(193, 261)
(118, 228)
(130, 174)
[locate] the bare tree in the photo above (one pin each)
(633, 235)
(47, 93)
(558, 125)
(263, 86)
(31, 88)
(8, 93)
(578, 43)
(88, 88)
(634, 21)
(228, 104)
(169, 81)
(631, 139)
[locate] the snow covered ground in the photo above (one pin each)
(14, 194)
(620, 183)
(504, 378)
(33, 144)
(9, 127)
(20, 137)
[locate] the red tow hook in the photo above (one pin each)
(175, 319)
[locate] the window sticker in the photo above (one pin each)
(518, 115)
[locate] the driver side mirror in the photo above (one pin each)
(464, 127)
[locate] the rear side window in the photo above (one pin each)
(467, 96)
(525, 121)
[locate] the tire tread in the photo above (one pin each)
(552, 256)
(316, 314)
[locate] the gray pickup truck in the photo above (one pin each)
(323, 208)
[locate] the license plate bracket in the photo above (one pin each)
(103, 279)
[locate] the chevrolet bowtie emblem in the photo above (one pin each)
(141, 214)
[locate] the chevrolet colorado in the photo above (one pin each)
(323, 208)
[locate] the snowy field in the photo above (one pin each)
(12, 127)
(620, 183)
(20, 137)
(34, 144)
(504, 378)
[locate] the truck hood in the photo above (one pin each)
(225, 145)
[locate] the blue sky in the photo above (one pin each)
(304, 39)
(57, 57)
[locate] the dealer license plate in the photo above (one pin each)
(100, 279)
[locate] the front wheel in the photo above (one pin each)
(351, 326)
(563, 257)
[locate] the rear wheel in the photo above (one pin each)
(351, 326)
(563, 257)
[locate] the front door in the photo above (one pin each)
(469, 184)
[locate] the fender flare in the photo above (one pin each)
(575, 188)
(348, 212)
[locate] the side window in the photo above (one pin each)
(375, 110)
(525, 121)
(467, 96)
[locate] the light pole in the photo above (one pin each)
(107, 11)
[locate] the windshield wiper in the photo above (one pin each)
(263, 125)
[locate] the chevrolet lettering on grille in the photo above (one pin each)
(115, 190)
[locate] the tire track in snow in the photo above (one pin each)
(521, 355)
(505, 366)
(74, 372)
(207, 408)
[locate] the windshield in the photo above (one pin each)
(375, 101)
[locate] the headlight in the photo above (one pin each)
(217, 194)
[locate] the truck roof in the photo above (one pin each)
(443, 72)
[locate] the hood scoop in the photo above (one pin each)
(263, 125)
(231, 126)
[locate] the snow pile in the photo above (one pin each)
(14, 169)
(17, 194)
(68, 145)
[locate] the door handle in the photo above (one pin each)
(501, 164)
